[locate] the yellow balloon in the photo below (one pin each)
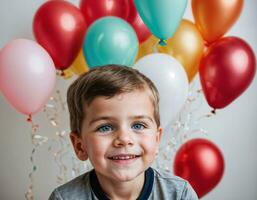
(186, 45)
(147, 47)
(79, 65)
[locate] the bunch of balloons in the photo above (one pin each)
(97, 33)
(27, 68)
(150, 36)
(226, 67)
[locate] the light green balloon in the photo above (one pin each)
(162, 17)
(110, 40)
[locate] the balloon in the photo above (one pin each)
(137, 23)
(201, 163)
(110, 40)
(79, 66)
(215, 17)
(148, 47)
(27, 75)
(60, 27)
(171, 81)
(186, 45)
(226, 71)
(162, 17)
(95, 9)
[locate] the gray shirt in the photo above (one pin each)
(159, 185)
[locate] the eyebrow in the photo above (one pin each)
(112, 118)
(142, 117)
(100, 118)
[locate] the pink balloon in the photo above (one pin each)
(27, 75)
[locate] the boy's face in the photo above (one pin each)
(119, 135)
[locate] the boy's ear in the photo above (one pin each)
(159, 134)
(158, 139)
(78, 146)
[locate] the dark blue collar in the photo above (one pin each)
(145, 193)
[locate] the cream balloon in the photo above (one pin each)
(171, 81)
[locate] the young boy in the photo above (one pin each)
(115, 122)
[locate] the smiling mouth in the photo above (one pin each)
(123, 157)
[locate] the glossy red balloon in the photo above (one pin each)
(94, 9)
(137, 23)
(201, 163)
(226, 70)
(60, 27)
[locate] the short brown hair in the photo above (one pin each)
(106, 81)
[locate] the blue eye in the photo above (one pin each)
(138, 126)
(105, 128)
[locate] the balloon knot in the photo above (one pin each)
(62, 73)
(162, 42)
(29, 119)
(213, 111)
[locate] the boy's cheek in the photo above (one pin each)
(150, 145)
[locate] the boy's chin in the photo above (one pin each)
(125, 175)
(122, 172)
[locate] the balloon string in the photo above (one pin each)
(60, 100)
(211, 114)
(182, 129)
(36, 140)
(192, 99)
(29, 195)
(52, 111)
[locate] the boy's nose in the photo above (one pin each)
(123, 138)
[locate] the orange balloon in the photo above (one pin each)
(215, 17)
(79, 65)
(186, 45)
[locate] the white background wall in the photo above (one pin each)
(233, 129)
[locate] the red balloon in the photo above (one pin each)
(60, 27)
(201, 163)
(94, 9)
(137, 23)
(226, 70)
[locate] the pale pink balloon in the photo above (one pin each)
(27, 75)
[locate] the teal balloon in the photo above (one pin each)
(162, 17)
(110, 40)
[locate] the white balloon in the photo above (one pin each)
(171, 81)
